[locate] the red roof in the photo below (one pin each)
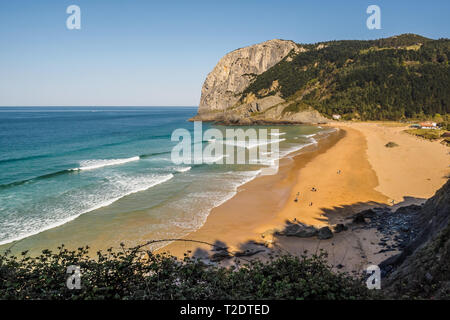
(428, 124)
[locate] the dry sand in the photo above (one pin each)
(416, 168)
(370, 175)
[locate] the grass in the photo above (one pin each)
(446, 141)
(429, 134)
(295, 107)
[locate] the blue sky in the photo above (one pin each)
(144, 53)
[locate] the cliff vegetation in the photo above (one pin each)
(406, 76)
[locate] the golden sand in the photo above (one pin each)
(349, 170)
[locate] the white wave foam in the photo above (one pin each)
(287, 152)
(251, 143)
(95, 164)
(211, 159)
(277, 134)
(87, 202)
(182, 169)
(213, 198)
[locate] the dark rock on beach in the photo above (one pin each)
(359, 219)
(365, 216)
(298, 230)
(324, 233)
(339, 228)
(397, 228)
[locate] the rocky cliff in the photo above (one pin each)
(222, 99)
(422, 269)
(233, 73)
(281, 81)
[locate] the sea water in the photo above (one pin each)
(104, 175)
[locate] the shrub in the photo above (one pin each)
(128, 275)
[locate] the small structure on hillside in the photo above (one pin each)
(428, 125)
(337, 117)
(415, 126)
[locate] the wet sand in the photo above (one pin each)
(351, 170)
(264, 204)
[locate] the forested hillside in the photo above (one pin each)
(388, 79)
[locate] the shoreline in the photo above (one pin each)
(368, 178)
(371, 175)
(260, 199)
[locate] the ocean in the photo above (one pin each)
(103, 175)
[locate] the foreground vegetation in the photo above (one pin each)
(134, 274)
(406, 76)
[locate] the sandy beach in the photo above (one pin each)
(350, 171)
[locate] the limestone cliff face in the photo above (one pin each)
(234, 72)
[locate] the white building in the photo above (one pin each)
(428, 125)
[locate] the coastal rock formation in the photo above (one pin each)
(233, 73)
(299, 230)
(222, 98)
(281, 81)
(324, 233)
(422, 269)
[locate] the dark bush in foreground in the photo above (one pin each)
(134, 274)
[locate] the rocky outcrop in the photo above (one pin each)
(267, 110)
(422, 269)
(299, 230)
(222, 99)
(324, 233)
(234, 72)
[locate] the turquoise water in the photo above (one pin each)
(87, 173)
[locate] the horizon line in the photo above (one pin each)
(102, 106)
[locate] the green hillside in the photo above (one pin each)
(406, 76)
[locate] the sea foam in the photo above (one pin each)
(75, 204)
(96, 164)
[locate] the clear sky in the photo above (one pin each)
(158, 53)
